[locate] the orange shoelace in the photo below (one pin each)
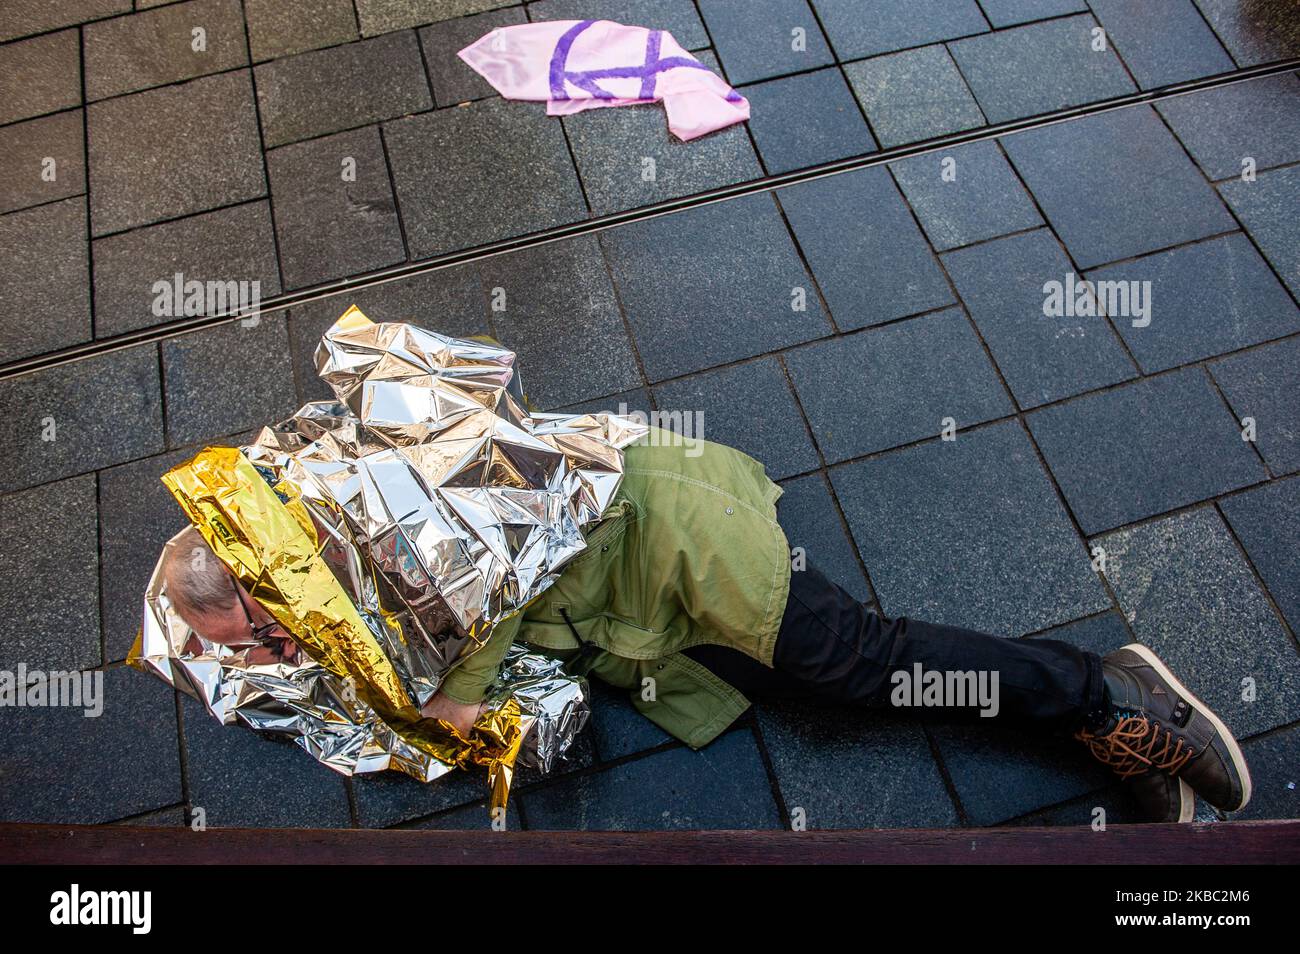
(1137, 745)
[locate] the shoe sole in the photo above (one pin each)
(1187, 802)
(1234, 750)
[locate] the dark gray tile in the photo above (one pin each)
(628, 158)
(1273, 774)
(895, 24)
(173, 151)
(50, 542)
(710, 406)
(1162, 42)
(869, 258)
(711, 285)
(1255, 31)
(1266, 208)
(245, 779)
(1002, 13)
(1143, 448)
(390, 798)
(1264, 385)
(383, 16)
(1221, 128)
(678, 17)
(40, 75)
(914, 95)
(230, 245)
(345, 86)
(635, 401)
(1116, 185)
(906, 381)
(1039, 68)
(757, 39)
(44, 300)
(1204, 299)
(1191, 597)
(846, 768)
(123, 422)
(227, 379)
(1100, 634)
(284, 27)
(488, 171)
(811, 520)
(175, 817)
(1267, 522)
(722, 786)
(334, 209)
(450, 77)
(969, 533)
(619, 729)
(64, 768)
(448, 301)
(45, 160)
(25, 17)
(471, 818)
(965, 195)
(1042, 358)
(1117, 805)
(805, 120)
(558, 313)
(155, 48)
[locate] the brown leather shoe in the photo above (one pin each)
(1163, 798)
(1156, 726)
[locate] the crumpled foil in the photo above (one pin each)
(388, 532)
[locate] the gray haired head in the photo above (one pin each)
(198, 584)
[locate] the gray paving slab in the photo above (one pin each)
(719, 406)
(471, 818)
(285, 27)
(846, 768)
(45, 159)
(44, 294)
(1113, 805)
(1004, 13)
(806, 120)
(1116, 185)
(228, 378)
(450, 77)
(488, 171)
(1039, 68)
(817, 534)
(335, 215)
(711, 285)
(50, 542)
(1162, 42)
(25, 17)
(235, 244)
(619, 729)
(627, 157)
(1275, 780)
(1190, 596)
(914, 95)
(1143, 448)
(390, 798)
(1264, 385)
(157, 47)
(969, 533)
(722, 786)
(1257, 120)
(1266, 520)
(904, 381)
(760, 39)
(1256, 31)
(864, 248)
(173, 151)
(678, 17)
(384, 16)
(325, 91)
(636, 400)
(80, 434)
(966, 194)
(1265, 208)
(896, 24)
(40, 75)
(64, 768)
(1204, 299)
(244, 779)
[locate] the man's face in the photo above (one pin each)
(246, 625)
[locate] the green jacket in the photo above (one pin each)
(688, 552)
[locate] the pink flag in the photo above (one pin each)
(573, 65)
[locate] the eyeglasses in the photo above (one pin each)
(262, 634)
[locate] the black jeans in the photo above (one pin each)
(834, 649)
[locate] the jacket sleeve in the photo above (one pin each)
(468, 682)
